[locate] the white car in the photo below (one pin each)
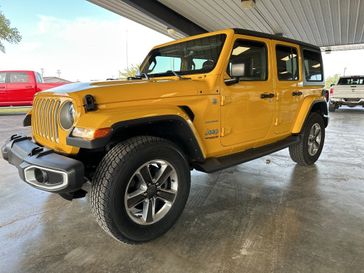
(348, 91)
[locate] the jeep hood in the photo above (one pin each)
(119, 91)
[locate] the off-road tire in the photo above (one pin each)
(110, 182)
(299, 151)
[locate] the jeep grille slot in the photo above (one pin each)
(45, 118)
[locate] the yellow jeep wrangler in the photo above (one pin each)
(206, 102)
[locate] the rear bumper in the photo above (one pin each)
(348, 101)
(42, 168)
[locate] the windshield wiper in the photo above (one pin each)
(139, 77)
(177, 75)
(145, 75)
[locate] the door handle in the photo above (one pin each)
(2, 87)
(297, 93)
(29, 86)
(266, 95)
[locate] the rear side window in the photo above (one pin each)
(254, 57)
(287, 63)
(313, 66)
(351, 81)
(2, 77)
(19, 77)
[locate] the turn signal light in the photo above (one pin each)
(331, 90)
(90, 134)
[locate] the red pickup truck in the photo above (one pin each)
(17, 87)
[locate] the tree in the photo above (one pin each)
(131, 71)
(7, 33)
(331, 80)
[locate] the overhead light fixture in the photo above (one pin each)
(248, 4)
(171, 31)
(288, 57)
(239, 50)
(316, 66)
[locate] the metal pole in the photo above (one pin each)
(127, 50)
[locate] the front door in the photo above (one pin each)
(21, 88)
(288, 87)
(247, 110)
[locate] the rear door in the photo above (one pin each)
(288, 87)
(350, 88)
(21, 88)
(3, 92)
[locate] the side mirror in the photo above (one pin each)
(237, 71)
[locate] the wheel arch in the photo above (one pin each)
(171, 127)
(309, 106)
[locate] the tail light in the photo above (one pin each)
(331, 90)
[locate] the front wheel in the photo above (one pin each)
(308, 150)
(140, 189)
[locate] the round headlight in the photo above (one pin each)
(67, 115)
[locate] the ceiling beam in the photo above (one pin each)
(167, 16)
(329, 49)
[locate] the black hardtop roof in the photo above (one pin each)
(274, 37)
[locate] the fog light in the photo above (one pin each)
(40, 176)
(46, 179)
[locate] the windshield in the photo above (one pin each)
(191, 57)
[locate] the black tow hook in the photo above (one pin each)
(35, 151)
(16, 136)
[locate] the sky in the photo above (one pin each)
(86, 42)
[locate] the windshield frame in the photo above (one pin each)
(224, 38)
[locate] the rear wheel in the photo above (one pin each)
(309, 149)
(140, 189)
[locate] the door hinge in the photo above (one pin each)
(225, 131)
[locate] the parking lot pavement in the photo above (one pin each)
(268, 215)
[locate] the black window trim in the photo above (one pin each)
(298, 62)
(266, 55)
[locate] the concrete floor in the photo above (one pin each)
(267, 215)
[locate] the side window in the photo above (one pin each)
(39, 78)
(254, 57)
(313, 66)
(2, 77)
(18, 77)
(287, 63)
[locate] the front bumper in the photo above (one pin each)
(43, 168)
